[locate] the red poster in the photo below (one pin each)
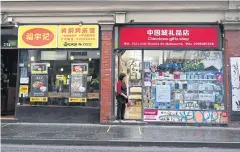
(170, 37)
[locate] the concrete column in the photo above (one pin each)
(106, 72)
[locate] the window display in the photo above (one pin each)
(60, 80)
(172, 81)
(183, 80)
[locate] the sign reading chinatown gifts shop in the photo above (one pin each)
(188, 37)
(39, 36)
(76, 36)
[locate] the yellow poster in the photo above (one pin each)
(77, 100)
(78, 36)
(38, 36)
(38, 99)
(23, 89)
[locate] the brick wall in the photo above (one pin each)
(232, 49)
(106, 77)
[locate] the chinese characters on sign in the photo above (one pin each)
(37, 36)
(75, 36)
(159, 32)
(169, 37)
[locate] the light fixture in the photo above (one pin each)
(90, 59)
(48, 64)
(61, 69)
(80, 23)
(32, 58)
(9, 19)
(71, 57)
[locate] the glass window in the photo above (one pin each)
(50, 74)
(183, 80)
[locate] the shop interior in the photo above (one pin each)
(59, 66)
(9, 58)
(171, 80)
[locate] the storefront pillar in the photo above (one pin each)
(106, 73)
(232, 35)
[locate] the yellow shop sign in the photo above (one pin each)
(37, 36)
(75, 36)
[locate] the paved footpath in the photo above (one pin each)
(119, 135)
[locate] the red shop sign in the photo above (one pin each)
(170, 37)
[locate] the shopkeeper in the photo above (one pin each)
(122, 97)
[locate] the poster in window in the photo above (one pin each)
(78, 88)
(163, 93)
(39, 88)
(79, 68)
(39, 68)
(235, 81)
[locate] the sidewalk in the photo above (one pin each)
(119, 135)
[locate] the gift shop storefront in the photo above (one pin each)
(175, 73)
(59, 67)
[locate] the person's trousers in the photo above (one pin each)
(120, 110)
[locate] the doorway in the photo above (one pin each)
(9, 60)
(130, 63)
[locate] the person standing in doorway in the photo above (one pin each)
(122, 97)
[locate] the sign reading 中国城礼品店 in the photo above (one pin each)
(235, 83)
(169, 37)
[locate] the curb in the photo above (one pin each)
(230, 145)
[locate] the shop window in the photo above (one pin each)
(183, 80)
(60, 78)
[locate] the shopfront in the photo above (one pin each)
(59, 71)
(175, 73)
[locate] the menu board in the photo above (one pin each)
(39, 68)
(78, 86)
(79, 68)
(39, 88)
(163, 93)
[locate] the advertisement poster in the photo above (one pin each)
(75, 36)
(169, 37)
(235, 99)
(38, 36)
(23, 90)
(79, 68)
(235, 83)
(78, 88)
(39, 88)
(39, 68)
(163, 93)
(212, 117)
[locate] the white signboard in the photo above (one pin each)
(235, 82)
(163, 93)
(210, 97)
(235, 71)
(235, 99)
